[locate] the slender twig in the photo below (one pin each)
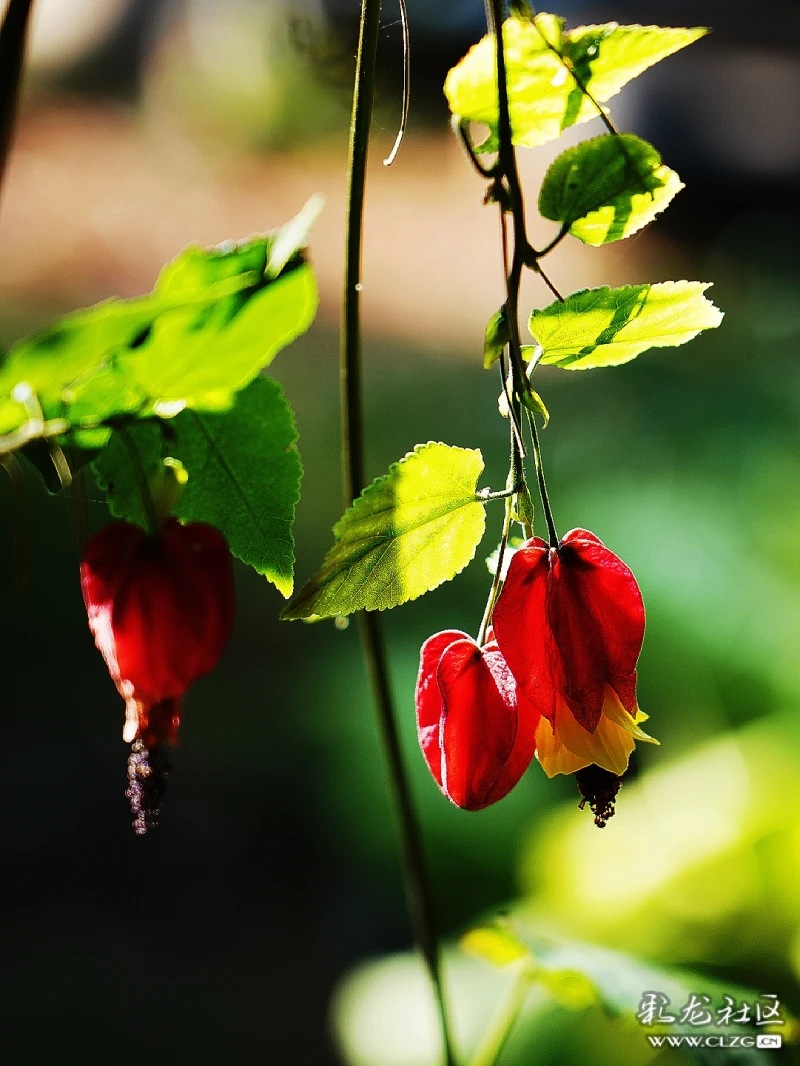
(549, 283)
(559, 237)
(461, 129)
(498, 574)
(418, 888)
(13, 34)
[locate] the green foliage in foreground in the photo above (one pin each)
(215, 318)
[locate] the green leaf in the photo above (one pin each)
(244, 475)
(407, 532)
(579, 974)
(607, 188)
(546, 70)
(215, 318)
(606, 327)
(495, 338)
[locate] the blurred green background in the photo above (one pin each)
(224, 936)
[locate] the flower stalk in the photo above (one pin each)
(418, 887)
(13, 35)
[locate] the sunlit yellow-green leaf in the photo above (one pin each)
(607, 188)
(494, 944)
(408, 531)
(548, 69)
(606, 327)
(215, 318)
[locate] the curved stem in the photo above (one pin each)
(537, 458)
(498, 575)
(500, 1029)
(406, 86)
(418, 888)
(13, 35)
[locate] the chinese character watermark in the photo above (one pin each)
(699, 1011)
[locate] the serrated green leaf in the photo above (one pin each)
(546, 69)
(407, 532)
(214, 319)
(607, 188)
(495, 338)
(244, 475)
(606, 327)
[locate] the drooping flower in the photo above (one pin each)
(161, 609)
(570, 623)
(477, 736)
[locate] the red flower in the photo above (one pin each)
(161, 609)
(570, 624)
(477, 737)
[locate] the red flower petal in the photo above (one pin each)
(429, 699)
(570, 621)
(476, 741)
(524, 749)
(597, 619)
(161, 610)
(479, 724)
(521, 629)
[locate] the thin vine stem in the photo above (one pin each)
(522, 254)
(418, 886)
(537, 458)
(13, 35)
(498, 574)
(406, 86)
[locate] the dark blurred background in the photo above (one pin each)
(220, 938)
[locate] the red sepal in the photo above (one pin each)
(570, 621)
(472, 734)
(161, 609)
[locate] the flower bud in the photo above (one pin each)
(570, 623)
(477, 736)
(161, 609)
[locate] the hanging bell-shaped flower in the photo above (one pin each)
(161, 609)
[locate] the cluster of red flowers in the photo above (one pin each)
(556, 678)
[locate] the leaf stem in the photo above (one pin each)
(418, 887)
(484, 497)
(500, 1029)
(537, 458)
(498, 578)
(13, 34)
